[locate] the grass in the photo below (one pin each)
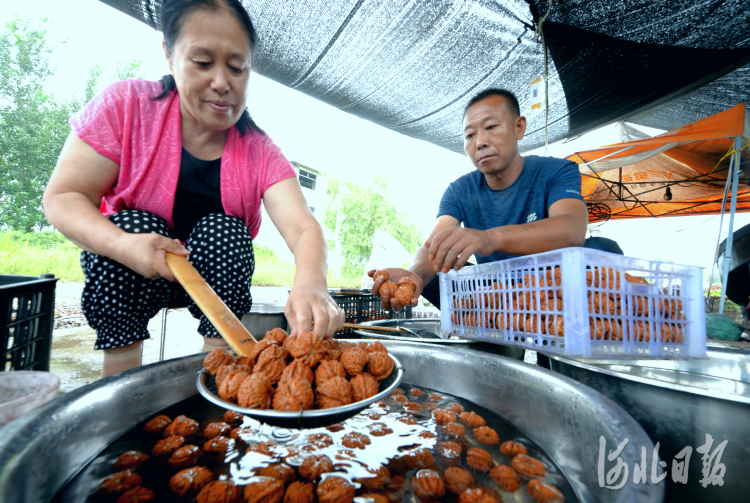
(50, 252)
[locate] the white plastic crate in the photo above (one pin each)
(579, 302)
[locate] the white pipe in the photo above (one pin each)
(735, 170)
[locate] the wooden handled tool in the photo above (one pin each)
(211, 305)
(373, 327)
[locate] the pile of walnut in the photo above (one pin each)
(403, 291)
(302, 373)
(608, 301)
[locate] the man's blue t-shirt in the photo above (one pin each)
(542, 182)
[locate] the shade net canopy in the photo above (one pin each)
(412, 65)
(680, 172)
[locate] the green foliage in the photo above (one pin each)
(363, 211)
(126, 71)
(36, 253)
(271, 271)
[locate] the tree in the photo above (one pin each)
(363, 211)
(126, 71)
(33, 126)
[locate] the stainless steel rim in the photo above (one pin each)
(404, 324)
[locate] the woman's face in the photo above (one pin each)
(210, 62)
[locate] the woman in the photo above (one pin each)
(149, 164)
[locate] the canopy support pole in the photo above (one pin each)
(735, 171)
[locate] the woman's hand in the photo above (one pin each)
(144, 253)
(312, 308)
(387, 299)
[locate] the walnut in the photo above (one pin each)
(216, 359)
(219, 491)
(216, 428)
(371, 414)
(262, 448)
(505, 478)
(278, 471)
(364, 386)
(403, 297)
(398, 391)
(399, 398)
(486, 435)
(182, 426)
(407, 284)
(255, 392)
(120, 482)
(293, 395)
(454, 430)
(271, 363)
(387, 289)
(300, 492)
(407, 420)
(373, 498)
(379, 479)
(380, 365)
(233, 417)
(297, 370)
(416, 392)
(471, 419)
(479, 459)
(264, 490)
(426, 434)
(544, 492)
(420, 458)
(449, 449)
(231, 384)
(412, 407)
(454, 407)
(355, 440)
(511, 448)
(457, 480)
(328, 369)
(477, 495)
(428, 485)
(167, 446)
(308, 349)
(243, 361)
(528, 467)
(261, 346)
(332, 350)
(443, 417)
(335, 489)
(223, 373)
(185, 457)
(376, 347)
(157, 425)
(131, 459)
(381, 274)
(319, 440)
(136, 495)
(314, 466)
(335, 427)
(218, 445)
(429, 405)
(277, 335)
(354, 360)
(245, 433)
(434, 396)
(190, 480)
(379, 429)
(334, 392)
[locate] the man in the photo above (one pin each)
(511, 205)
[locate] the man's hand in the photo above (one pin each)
(312, 308)
(452, 247)
(396, 274)
(145, 253)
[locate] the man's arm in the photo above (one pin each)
(566, 226)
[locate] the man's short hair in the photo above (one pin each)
(493, 91)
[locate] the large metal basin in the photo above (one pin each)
(679, 402)
(39, 452)
(264, 317)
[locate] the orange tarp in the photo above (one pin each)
(631, 179)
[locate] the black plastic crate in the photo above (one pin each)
(27, 311)
(363, 307)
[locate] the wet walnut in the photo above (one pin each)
(297, 370)
(319, 440)
(443, 417)
(262, 448)
(420, 458)
(334, 392)
(260, 347)
(223, 373)
(130, 460)
(216, 429)
(479, 459)
(454, 430)
(428, 485)
(233, 417)
(216, 359)
(528, 467)
(300, 492)
(190, 481)
(309, 349)
(354, 360)
(376, 347)
(264, 490)
(185, 457)
(120, 482)
(355, 440)
(511, 448)
(157, 425)
(293, 395)
(373, 498)
(277, 335)
(364, 386)
(379, 479)
(314, 466)
(403, 297)
(328, 369)
(457, 480)
(332, 350)
(219, 491)
(166, 446)
(255, 392)
(381, 274)
(471, 419)
(544, 492)
(449, 450)
(426, 434)
(231, 385)
(388, 289)
(505, 478)
(486, 435)
(182, 426)
(379, 429)
(218, 445)
(454, 407)
(412, 407)
(271, 363)
(278, 471)
(335, 489)
(477, 495)
(136, 495)
(407, 284)
(380, 365)
(407, 420)
(416, 392)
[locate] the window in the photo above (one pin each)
(307, 179)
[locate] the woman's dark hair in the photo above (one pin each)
(172, 13)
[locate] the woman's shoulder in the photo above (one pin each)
(130, 92)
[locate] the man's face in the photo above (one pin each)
(491, 134)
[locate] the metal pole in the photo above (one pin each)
(735, 170)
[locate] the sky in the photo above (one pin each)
(335, 143)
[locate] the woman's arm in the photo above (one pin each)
(71, 201)
(309, 301)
